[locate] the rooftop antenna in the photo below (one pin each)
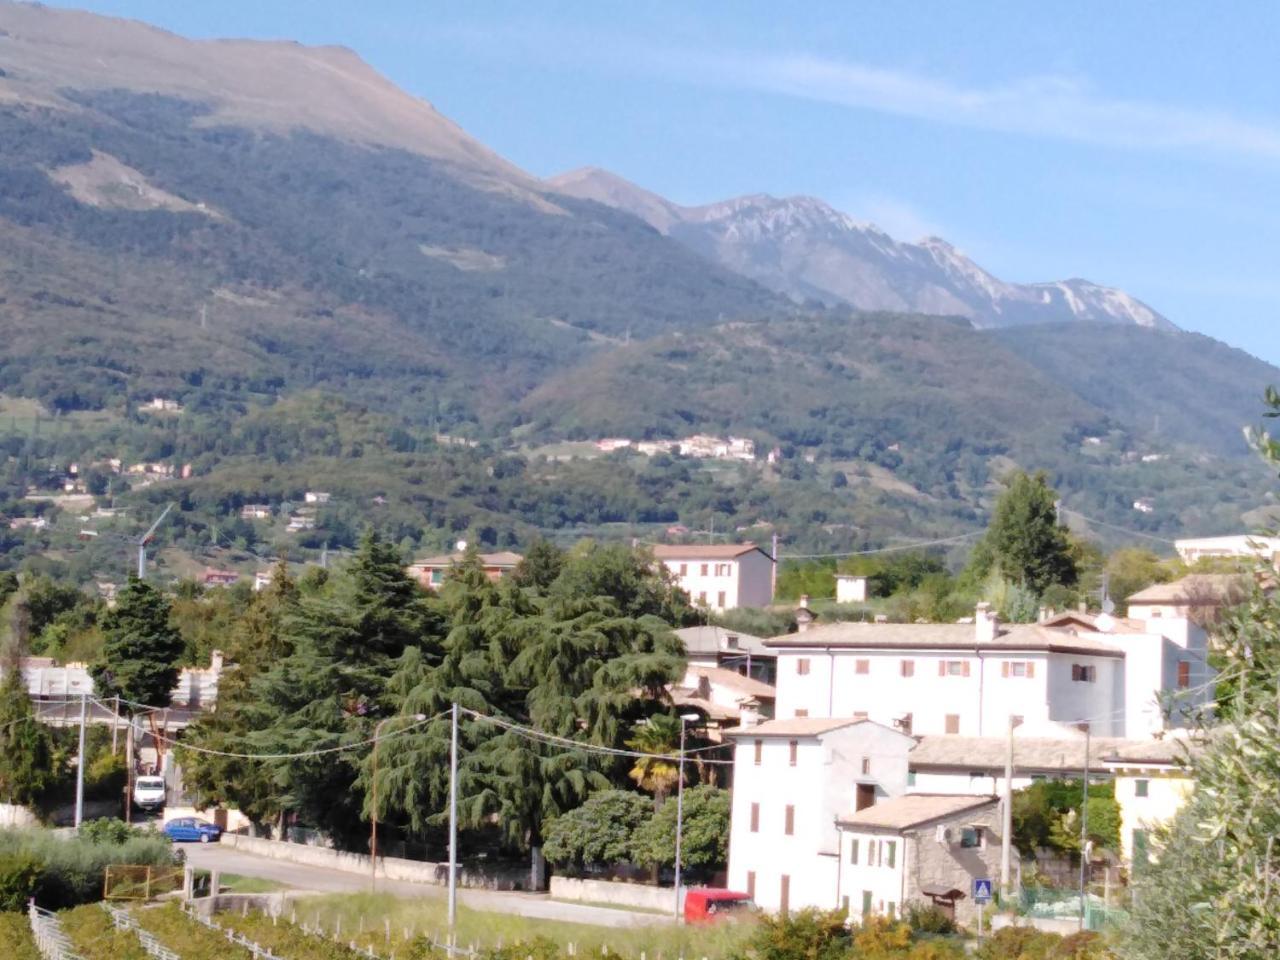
(1108, 605)
(145, 539)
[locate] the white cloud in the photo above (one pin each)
(899, 219)
(1057, 107)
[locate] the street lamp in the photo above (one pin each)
(373, 829)
(684, 719)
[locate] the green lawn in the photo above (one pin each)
(235, 883)
(369, 918)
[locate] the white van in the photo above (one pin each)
(148, 793)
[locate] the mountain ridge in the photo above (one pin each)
(806, 249)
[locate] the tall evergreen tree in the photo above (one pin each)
(140, 650)
(344, 642)
(26, 745)
(1024, 542)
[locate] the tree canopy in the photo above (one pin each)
(1024, 542)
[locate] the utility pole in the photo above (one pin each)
(80, 763)
(115, 724)
(128, 780)
(1006, 845)
(1084, 832)
(684, 719)
(453, 829)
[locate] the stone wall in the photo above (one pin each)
(496, 877)
(948, 864)
(614, 893)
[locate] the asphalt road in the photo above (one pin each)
(216, 857)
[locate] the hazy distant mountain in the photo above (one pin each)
(802, 247)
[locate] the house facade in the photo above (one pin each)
(918, 849)
(976, 765)
(792, 780)
(970, 679)
(715, 646)
(1242, 545)
(430, 571)
(720, 576)
(1153, 781)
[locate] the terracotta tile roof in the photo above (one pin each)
(794, 727)
(714, 711)
(1198, 589)
(747, 686)
(944, 636)
(707, 551)
(1029, 753)
(914, 810)
(502, 559)
(1172, 750)
(705, 640)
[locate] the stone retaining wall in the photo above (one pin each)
(497, 877)
(613, 893)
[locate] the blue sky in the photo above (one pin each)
(1135, 144)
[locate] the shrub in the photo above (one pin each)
(599, 831)
(106, 831)
(71, 869)
(928, 920)
(804, 935)
(19, 874)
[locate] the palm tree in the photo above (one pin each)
(658, 736)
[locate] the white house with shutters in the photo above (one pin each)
(793, 779)
(1054, 677)
(720, 576)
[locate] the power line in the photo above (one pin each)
(867, 553)
(1112, 526)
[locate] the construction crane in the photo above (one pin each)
(145, 539)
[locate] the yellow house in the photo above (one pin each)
(1152, 783)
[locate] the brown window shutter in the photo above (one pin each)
(755, 818)
(942, 668)
(1031, 669)
(965, 668)
(1004, 669)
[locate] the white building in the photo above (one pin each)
(1199, 597)
(1244, 545)
(720, 576)
(316, 496)
(851, 588)
(918, 849)
(792, 780)
(725, 697)
(964, 679)
(715, 646)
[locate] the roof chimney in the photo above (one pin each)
(1043, 615)
(986, 624)
(804, 601)
(804, 616)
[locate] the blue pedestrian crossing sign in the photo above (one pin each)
(981, 889)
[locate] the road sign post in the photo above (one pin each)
(982, 887)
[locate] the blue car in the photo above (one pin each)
(192, 828)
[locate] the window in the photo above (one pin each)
(953, 723)
(724, 570)
(866, 766)
(784, 896)
(731, 642)
(802, 667)
(893, 910)
(755, 818)
(801, 712)
(720, 599)
(953, 668)
(853, 851)
(751, 884)
(1084, 673)
(1184, 674)
(702, 597)
(866, 903)
(705, 568)
(1141, 788)
(759, 751)
(1018, 668)
(1038, 778)
(437, 577)
(890, 853)
(684, 569)
(871, 853)
(794, 749)
(908, 668)
(862, 666)
(859, 714)
(911, 778)
(789, 827)
(844, 905)
(971, 837)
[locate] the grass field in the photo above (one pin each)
(389, 924)
(15, 938)
(20, 415)
(234, 883)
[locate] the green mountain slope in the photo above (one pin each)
(1173, 387)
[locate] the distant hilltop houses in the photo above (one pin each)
(160, 405)
(700, 445)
